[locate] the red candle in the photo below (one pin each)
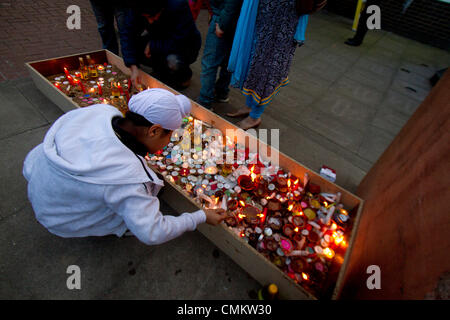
(66, 72)
(120, 88)
(100, 91)
(58, 85)
(70, 79)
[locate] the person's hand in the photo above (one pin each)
(135, 79)
(214, 216)
(219, 32)
(147, 51)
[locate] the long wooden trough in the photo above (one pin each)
(243, 254)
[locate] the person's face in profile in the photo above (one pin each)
(152, 19)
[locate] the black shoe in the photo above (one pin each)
(353, 42)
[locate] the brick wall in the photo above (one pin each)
(427, 21)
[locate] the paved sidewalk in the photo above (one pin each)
(342, 108)
(35, 30)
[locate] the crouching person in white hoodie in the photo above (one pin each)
(89, 177)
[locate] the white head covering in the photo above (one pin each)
(160, 106)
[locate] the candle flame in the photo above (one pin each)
(328, 253)
(333, 226)
(296, 229)
(242, 203)
(325, 204)
(338, 238)
(289, 183)
(241, 216)
(343, 211)
(296, 181)
(304, 276)
(242, 234)
(290, 207)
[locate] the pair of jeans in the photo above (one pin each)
(105, 12)
(215, 55)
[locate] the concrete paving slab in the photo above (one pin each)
(47, 108)
(342, 133)
(375, 67)
(364, 94)
(189, 267)
(16, 112)
(13, 189)
(368, 78)
(374, 143)
(311, 153)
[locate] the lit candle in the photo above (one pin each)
(66, 72)
(58, 85)
(100, 91)
(120, 88)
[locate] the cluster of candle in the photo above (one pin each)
(286, 218)
(87, 84)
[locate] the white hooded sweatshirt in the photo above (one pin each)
(83, 181)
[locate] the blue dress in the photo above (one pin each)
(273, 50)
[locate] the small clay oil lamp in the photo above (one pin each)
(232, 204)
(246, 183)
(313, 237)
(231, 221)
(184, 172)
(298, 265)
(298, 221)
(288, 230)
(280, 262)
(251, 214)
(275, 223)
(261, 190)
(270, 244)
(286, 245)
(274, 205)
(282, 184)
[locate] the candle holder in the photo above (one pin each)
(298, 265)
(246, 182)
(251, 214)
(232, 204)
(274, 205)
(313, 237)
(288, 230)
(282, 184)
(298, 221)
(270, 244)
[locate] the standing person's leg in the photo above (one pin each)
(362, 26)
(223, 83)
(254, 118)
(213, 57)
(104, 14)
(124, 18)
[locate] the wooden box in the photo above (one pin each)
(243, 254)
